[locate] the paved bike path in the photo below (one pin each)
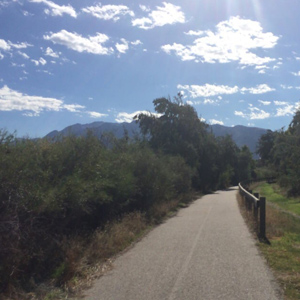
(205, 252)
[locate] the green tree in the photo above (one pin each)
(265, 146)
(175, 130)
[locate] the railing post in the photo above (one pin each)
(250, 201)
(255, 210)
(262, 219)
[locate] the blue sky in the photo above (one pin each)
(65, 62)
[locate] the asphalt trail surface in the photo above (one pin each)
(204, 252)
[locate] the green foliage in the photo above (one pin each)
(281, 152)
(265, 146)
(53, 190)
(177, 130)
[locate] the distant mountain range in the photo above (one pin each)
(242, 135)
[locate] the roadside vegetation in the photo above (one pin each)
(283, 232)
(280, 157)
(68, 205)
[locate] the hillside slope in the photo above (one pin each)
(241, 135)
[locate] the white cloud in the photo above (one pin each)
(16, 65)
(213, 122)
(57, 10)
(96, 115)
(36, 62)
(74, 41)
(296, 73)
(286, 87)
(240, 114)
(73, 107)
(287, 110)
(193, 32)
(233, 40)
(8, 46)
(183, 52)
(13, 100)
(258, 114)
(128, 118)
(261, 67)
(41, 61)
(50, 52)
(4, 45)
(22, 45)
(108, 12)
(254, 114)
(145, 8)
(166, 15)
(280, 103)
(259, 89)
(24, 55)
(264, 102)
(210, 101)
(137, 42)
(208, 90)
(26, 13)
(123, 47)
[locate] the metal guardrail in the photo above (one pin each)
(256, 204)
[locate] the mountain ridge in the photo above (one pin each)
(242, 135)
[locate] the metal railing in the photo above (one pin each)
(256, 204)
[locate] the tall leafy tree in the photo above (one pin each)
(176, 129)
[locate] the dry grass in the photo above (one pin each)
(87, 258)
(283, 252)
(248, 216)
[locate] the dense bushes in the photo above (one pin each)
(54, 191)
(280, 151)
(71, 186)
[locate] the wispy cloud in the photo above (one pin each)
(96, 115)
(214, 122)
(4, 45)
(253, 114)
(195, 32)
(128, 117)
(57, 10)
(123, 46)
(207, 90)
(50, 52)
(76, 42)
(280, 103)
(264, 102)
(259, 89)
(282, 109)
(108, 12)
(167, 14)
(8, 45)
(31, 105)
(286, 110)
(41, 61)
(233, 40)
(296, 73)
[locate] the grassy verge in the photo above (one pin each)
(283, 232)
(277, 195)
(88, 258)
